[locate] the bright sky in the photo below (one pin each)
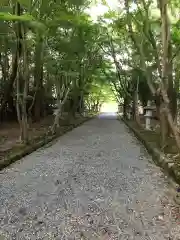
(99, 9)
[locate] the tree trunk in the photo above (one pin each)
(125, 107)
(4, 61)
(135, 110)
(176, 86)
(166, 82)
(171, 91)
(57, 118)
(22, 82)
(25, 90)
(81, 103)
(163, 126)
(9, 85)
(38, 79)
(74, 103)
(61, 99)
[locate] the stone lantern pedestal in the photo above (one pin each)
(148, 115)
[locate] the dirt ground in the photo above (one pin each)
(9, 132)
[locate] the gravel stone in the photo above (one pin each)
(95, 182)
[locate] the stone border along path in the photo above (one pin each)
(95, 182)
(38, 142)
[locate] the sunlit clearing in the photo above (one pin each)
(109, 107)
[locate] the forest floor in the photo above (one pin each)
(95, 182)
(9, 133)
(154, 136)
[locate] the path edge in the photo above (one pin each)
(41, 143)
(158, 157)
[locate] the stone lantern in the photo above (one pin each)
(148, 115)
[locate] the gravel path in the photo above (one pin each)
(96, 182)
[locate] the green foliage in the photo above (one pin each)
(10, 17)
(99, 93)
